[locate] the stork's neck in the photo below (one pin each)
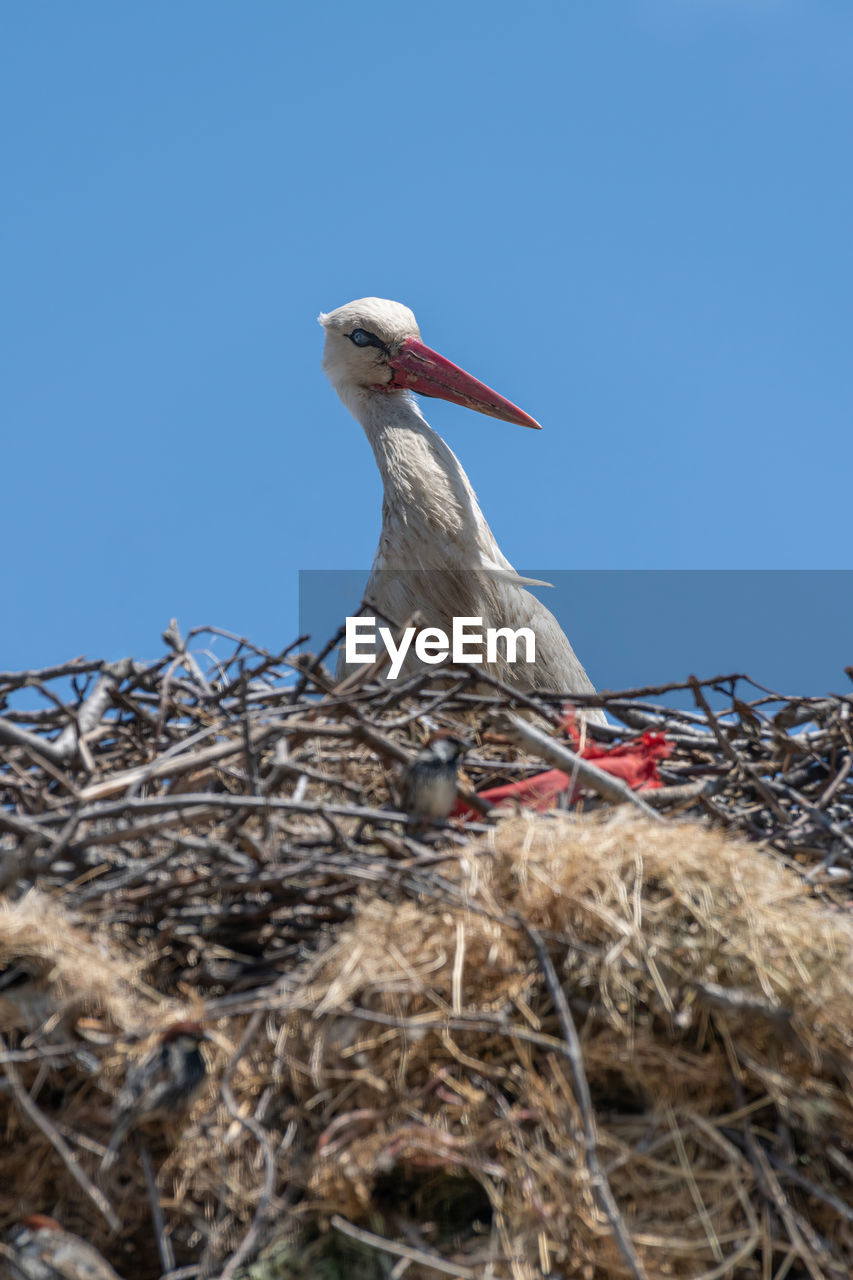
(430, 511)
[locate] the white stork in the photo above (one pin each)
(431, 520)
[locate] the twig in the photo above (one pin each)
(728, 750)
(314, 664)
(800, 1233)
(572, 1051)
(21, 826)
(14, 736)
(249, 751)
(194, 801)
(164, 1244)
(76, 667)
(790, 1174)
(837, 782)
(174, 639)
(560, 757)
(742, 1003)
(95, 706)
(262, 1138)
(40, 1120)
(176, 760)
(674, 686)
(661, 797)
(423, 1256)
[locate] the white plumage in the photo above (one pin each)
(436, 552)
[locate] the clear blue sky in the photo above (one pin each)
(632, 219)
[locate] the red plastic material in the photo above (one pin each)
(636, 763)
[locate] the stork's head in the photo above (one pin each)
(374, 345)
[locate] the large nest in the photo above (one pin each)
(595, 1043)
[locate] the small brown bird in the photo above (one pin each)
(162, 1085)
(38, 1248)
(430, 791)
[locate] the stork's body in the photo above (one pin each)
(436, 552)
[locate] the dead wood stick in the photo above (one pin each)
(660, 797)
(741, 1002)
(817, 814)
(60, 1146)
(807, 1244)
(95, 706)
(729, 751)
(540, 705)
(20, 826)
(790, 1174)
(76, 667)
(560, 757)
(283, 767)
(155, 826)
(173, 761)
(686, 733)
(380, 743)
(423, 1256)
(258, 690)
(313, 664)
(800, 710)
(253, 768)
(14, 736)
(365, 674)
(801, 1234)
(722, 741)
(262, 1138)
(164, 1244)
(309, 728)
(493, 1024)
(837, 781)
(655, 690)
(572, 1051)
(242, 642)
(175, 641)
(204, 804)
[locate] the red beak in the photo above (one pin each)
(417, 368)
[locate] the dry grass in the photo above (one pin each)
(646, 920)
(413, 1078)
(429, 1056)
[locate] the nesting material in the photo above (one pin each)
(713, 1004)
(574, 1044)
(56, 971)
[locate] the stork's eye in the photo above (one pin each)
(362, 338)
